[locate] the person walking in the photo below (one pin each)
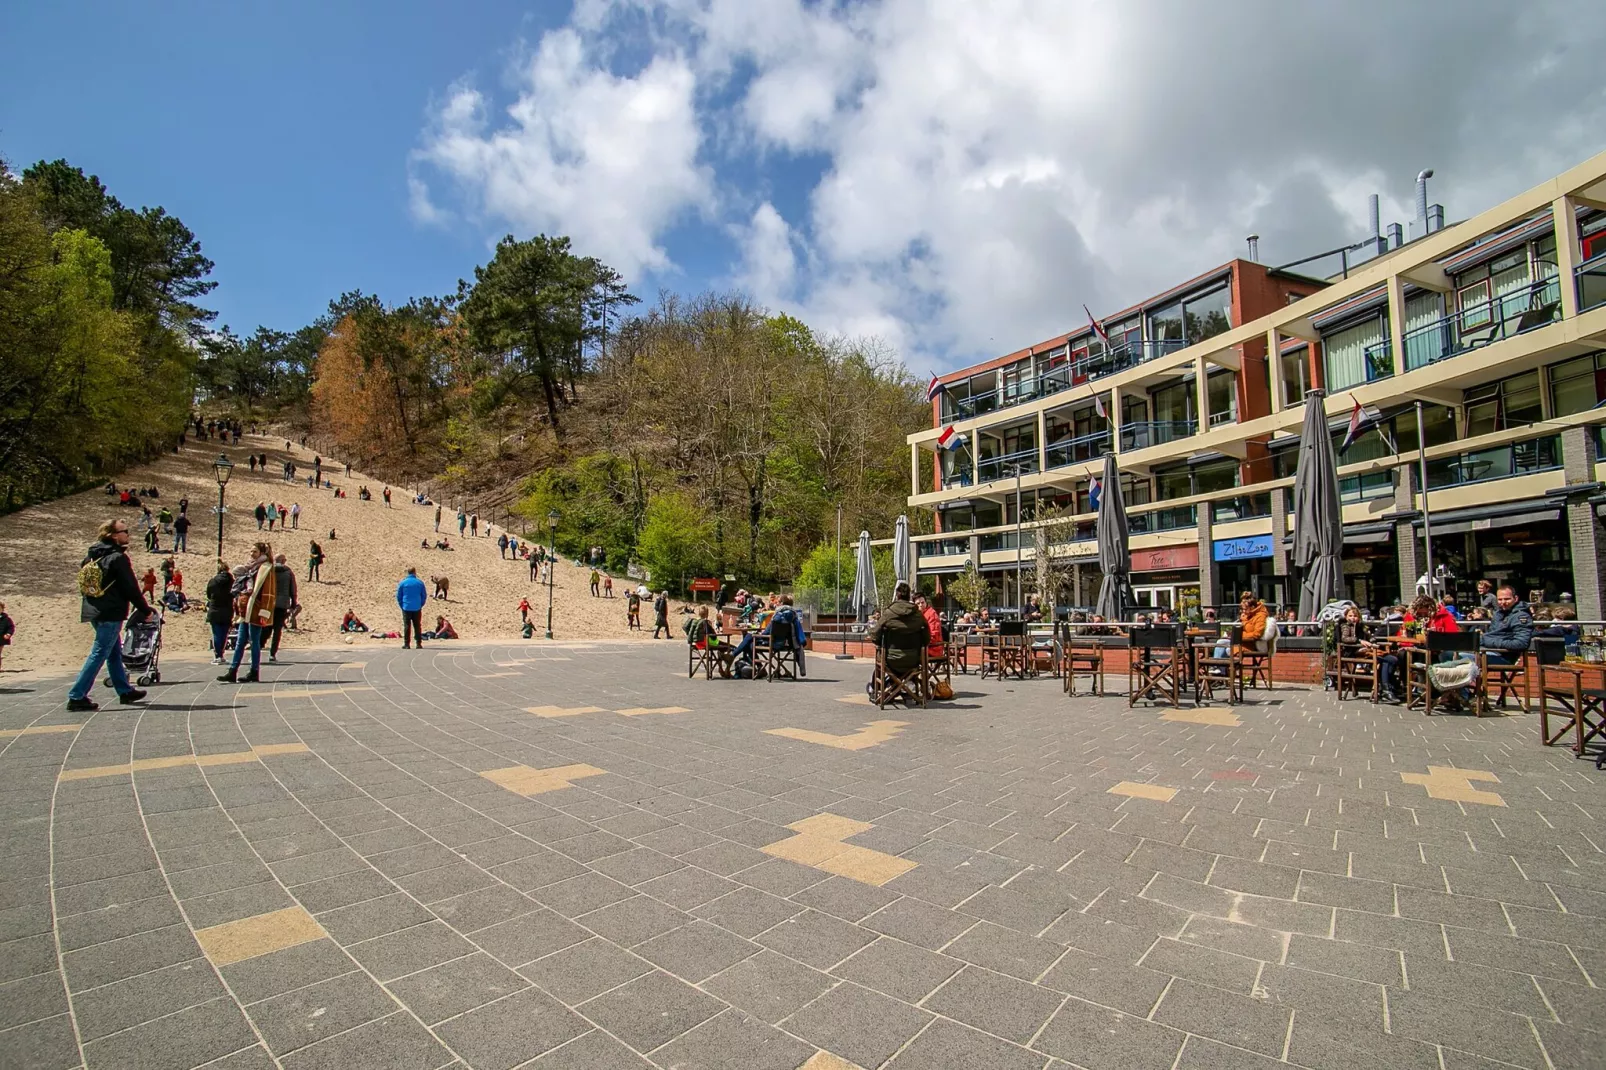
(8, 628)
(261, 515)
(314, 561)
(660, 615)
(524, 610)
(437, 519)
(273, 515)
(501, 545)
(535, 566)
(633, 610)
(165, 518)
(474, 524)
(295, 515)
(387, 497)
(253, 613)
(106, 582)
(220, 609)
(596, 584)
(411, 596)
(607, 586)
(284, 596)
(181, 531)
(462, 522)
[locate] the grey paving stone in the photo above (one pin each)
(949, 1046)
(847, 899)
(376, 917)
(280, 971)
(1005, 950)
(1468, 982)
(651, 1010)
(1100, 936)
(748, 911)
(1201, 1054)
(235, 904)
(432, 885)
(190, 1037)
(995, 1004)
(307, 1015)
(43, 1045)
(817, 939)
(1103, 1039)
(1458, 910)
(582, 894)
(575, 974)
(1337, 998)
(31, 999)
(1576, 930)
(511, 1031)
(1538, 957)
(101, 964)
(1110, 982)
(767, 985)
(1365, 963)
(1233, 1019)
(98, 895)
(631, 921)
(636, 866)
(252, 1058)
(1234, 938)
(1437, 1020)
(487, 906)
(396, 1043)
(734, 1041)
(529, 937)
(1577, 1005)
(332, 893)
(696, 951)
(113, 922)
(1204, 965)
(857, 1024)
(595, 1050)
(1012, 909)
(320, 866)
(902, 970)
(101, 1011)
(1403, 934)
(917, 922)
(408, 950)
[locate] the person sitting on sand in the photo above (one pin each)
(350, 623)
(443, 544)
(443, 629)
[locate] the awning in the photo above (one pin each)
(1488, 523)
(940, 570)
(1358, 534)
(1374, 298)
(1499, 243)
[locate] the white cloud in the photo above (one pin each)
(419, 204)
(609, 160)
(992, 167)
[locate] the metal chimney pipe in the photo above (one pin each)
(1375, 215)
(1254, 247)
(1422, 197)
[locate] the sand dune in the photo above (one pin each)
(41, 547)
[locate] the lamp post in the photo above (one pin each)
(552, 565)
(1020, 591)
(224, 468)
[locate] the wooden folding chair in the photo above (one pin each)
(1155, 665)
(1357, 667)
(1257, 663)
(701, 656)
(781, 659)
(1212, 673)
(1503, 680)
(1420, 690)
(1562, 694)
(890, 685)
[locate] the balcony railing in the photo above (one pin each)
(1137, 436)
(955, 479)
(1591, 281)
(1003, 540)
(944, 547)
(1178, 516)
(992, 468)
(1366, 487)
(1498, 462)
(1053, 380)
(1477, 325)
(1119, 358)
(1243, 507)
(1078, 450)
(1379, 360)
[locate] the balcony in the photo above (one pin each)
(1178, 516)
(992, 468)
(1590, 278)
(1477, 325)
(1120, 357)
(1243, 507)
(1497, 462)
(1053, 380)
(1137, 436)
(1078, 450)
(944, 547)
(1379, 359)
(1005, 540)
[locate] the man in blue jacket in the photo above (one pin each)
(1509, 633)
(411, 596)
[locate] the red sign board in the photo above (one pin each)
(1166, 558)
(705, 585)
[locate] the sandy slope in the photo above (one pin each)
(41, 547)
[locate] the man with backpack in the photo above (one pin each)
(106, 582)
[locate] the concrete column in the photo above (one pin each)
(1396, 290)
(1274, 369)
(1583, 528)
(1569, 253)
(1209, 594)
(914, 469)
(1113, 407)
(1042, 440)
(1201, 386)
(1406, 550)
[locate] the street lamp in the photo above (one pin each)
(552, 566)
(1020, 591)
(224, 468)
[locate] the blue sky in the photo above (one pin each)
(953, 179)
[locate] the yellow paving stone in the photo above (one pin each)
(871, 735)
(307, 693)
(1204, 715)
(562, 711)
(1144, 791)
(236, 941)
(174, 761)
(523, 780)
(638, 711)
(354, 665)
(860, 699)
(818, 844)
(38, 730)
(1455, 785)
(831, 826)
(824, 1060)
(494, 675)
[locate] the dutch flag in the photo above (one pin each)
(934, 388)
(950, 439)
(1095, 493)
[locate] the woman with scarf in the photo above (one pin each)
(255, 592)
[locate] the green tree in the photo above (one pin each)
(675, 540)
(969, 589)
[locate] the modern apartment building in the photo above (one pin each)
(1495, 325)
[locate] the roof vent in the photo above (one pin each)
(1254, 247)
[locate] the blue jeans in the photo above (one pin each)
(107, 651)
(220, 638)
(239, 646)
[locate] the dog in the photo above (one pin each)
(443, 586)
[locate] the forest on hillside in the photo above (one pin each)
(100, 332)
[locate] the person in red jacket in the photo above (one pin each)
(936, 651)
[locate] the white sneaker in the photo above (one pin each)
(217, 661)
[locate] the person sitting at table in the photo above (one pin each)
(1561, 626)
(938, 648)
(1425, 615)
(784, 627)
(1252, 619)
(350, 623)
(1510, 631)
(905, 630)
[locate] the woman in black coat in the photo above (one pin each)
(219, 609)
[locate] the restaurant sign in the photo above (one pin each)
(1244, 549)
(1166, 558)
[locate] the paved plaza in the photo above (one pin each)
(570, 856)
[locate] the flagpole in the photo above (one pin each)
(1427, 522)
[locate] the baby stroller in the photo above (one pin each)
(142, 649)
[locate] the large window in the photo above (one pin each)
(1508, 403)
(1174, 403)
(1165, 324)
(1222, 390)
(1208, 314)
(1347, 354)
(1296, 374)
(1577, 385)
(1426, 339)
(1438, 426)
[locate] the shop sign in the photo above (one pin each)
(1243, 549)
(1166, 558)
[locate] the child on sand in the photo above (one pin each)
(524, 610)
(7, 630)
